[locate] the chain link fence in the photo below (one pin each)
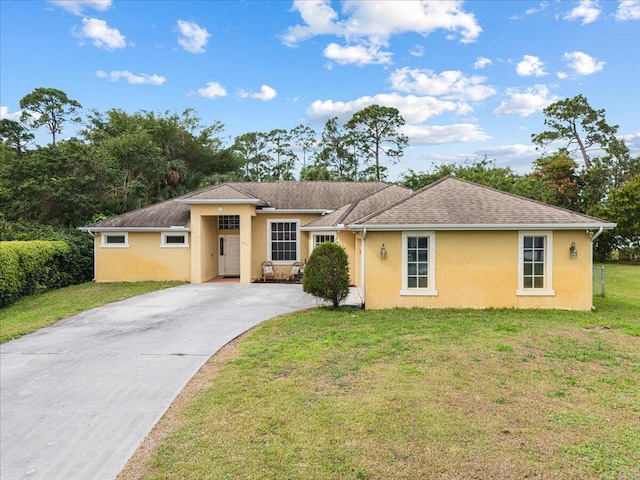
(598, 281)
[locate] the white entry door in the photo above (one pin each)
(229, 255)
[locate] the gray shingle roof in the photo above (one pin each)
(160, 215)
(451, 201)
(362, 207)
(311, 195)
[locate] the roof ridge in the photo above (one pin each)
(398, 202)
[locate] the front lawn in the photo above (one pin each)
(37, 311)
(407, 394)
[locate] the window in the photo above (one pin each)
(175, 240)
(319, 238)
(115, 240)
(283, 242)
(229, 222)
(534, 263)
(418, 263)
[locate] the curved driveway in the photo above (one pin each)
(77, 398)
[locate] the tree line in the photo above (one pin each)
(121, 161)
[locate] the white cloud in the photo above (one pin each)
(413, 109)
(628, 10)
(78, 6)
(583, 64)
(531, 66)
(450, 84)
(587, 10)
(133, 79)
(441, 134)
(518, 157)
(266, 93)
(212, 90)
(4, 113)
(100, 34)
(417, 51)
(193, 38)
(482, 62)
(526, 103)
(356, 54)
(371, 24)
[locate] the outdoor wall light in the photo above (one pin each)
(383, 252)
(573, 250)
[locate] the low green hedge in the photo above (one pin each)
(28, 267)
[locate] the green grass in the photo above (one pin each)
(36, 311)
(408, 394)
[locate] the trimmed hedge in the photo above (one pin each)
(33, 267)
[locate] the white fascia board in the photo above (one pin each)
(135, 229)
(226, 201)
(491, 226)
(294, 210)
(326, 228)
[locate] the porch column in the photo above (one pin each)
(245, 248)
(196, 246)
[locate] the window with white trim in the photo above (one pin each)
(228, 222)
(418, 263)
(283, 241)
(114, 240)
(535, 268)
(319, 238)
(174, 240)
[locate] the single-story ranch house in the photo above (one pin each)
(451, 244)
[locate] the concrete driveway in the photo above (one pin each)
(77, 398)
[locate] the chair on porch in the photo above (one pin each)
(295, 274)
(268, 271)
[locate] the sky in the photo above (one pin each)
(470, 78)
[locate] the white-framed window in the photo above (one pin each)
(535, 265)
(174, 240)
(283, 241)
(114, 240)
(321, 237)
(418, 263)
(228, 222)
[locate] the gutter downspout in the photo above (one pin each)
(597, 234)
(362, 265)
(94, 253)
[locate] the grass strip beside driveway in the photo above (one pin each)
(37, 311)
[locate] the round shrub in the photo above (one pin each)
(326, 274)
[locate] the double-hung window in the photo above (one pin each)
(535, 268)
(284, 241)
(418, 263)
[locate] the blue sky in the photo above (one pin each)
(470, 78)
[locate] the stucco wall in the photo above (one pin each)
(478, 270)
(144, 259)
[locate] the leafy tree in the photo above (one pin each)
(559, 172)
(326, 274)
(139, 166)
(315, 172)
(377, 133)
(576, 122)
(61, 185)
(624, 209)
(15, 135)
(49, 107)
(251, 148)
(189, 150)
(304, 138)
(337, 152)
(282, 157)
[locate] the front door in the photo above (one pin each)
(229, 255)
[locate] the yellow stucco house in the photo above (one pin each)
(451, 244)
